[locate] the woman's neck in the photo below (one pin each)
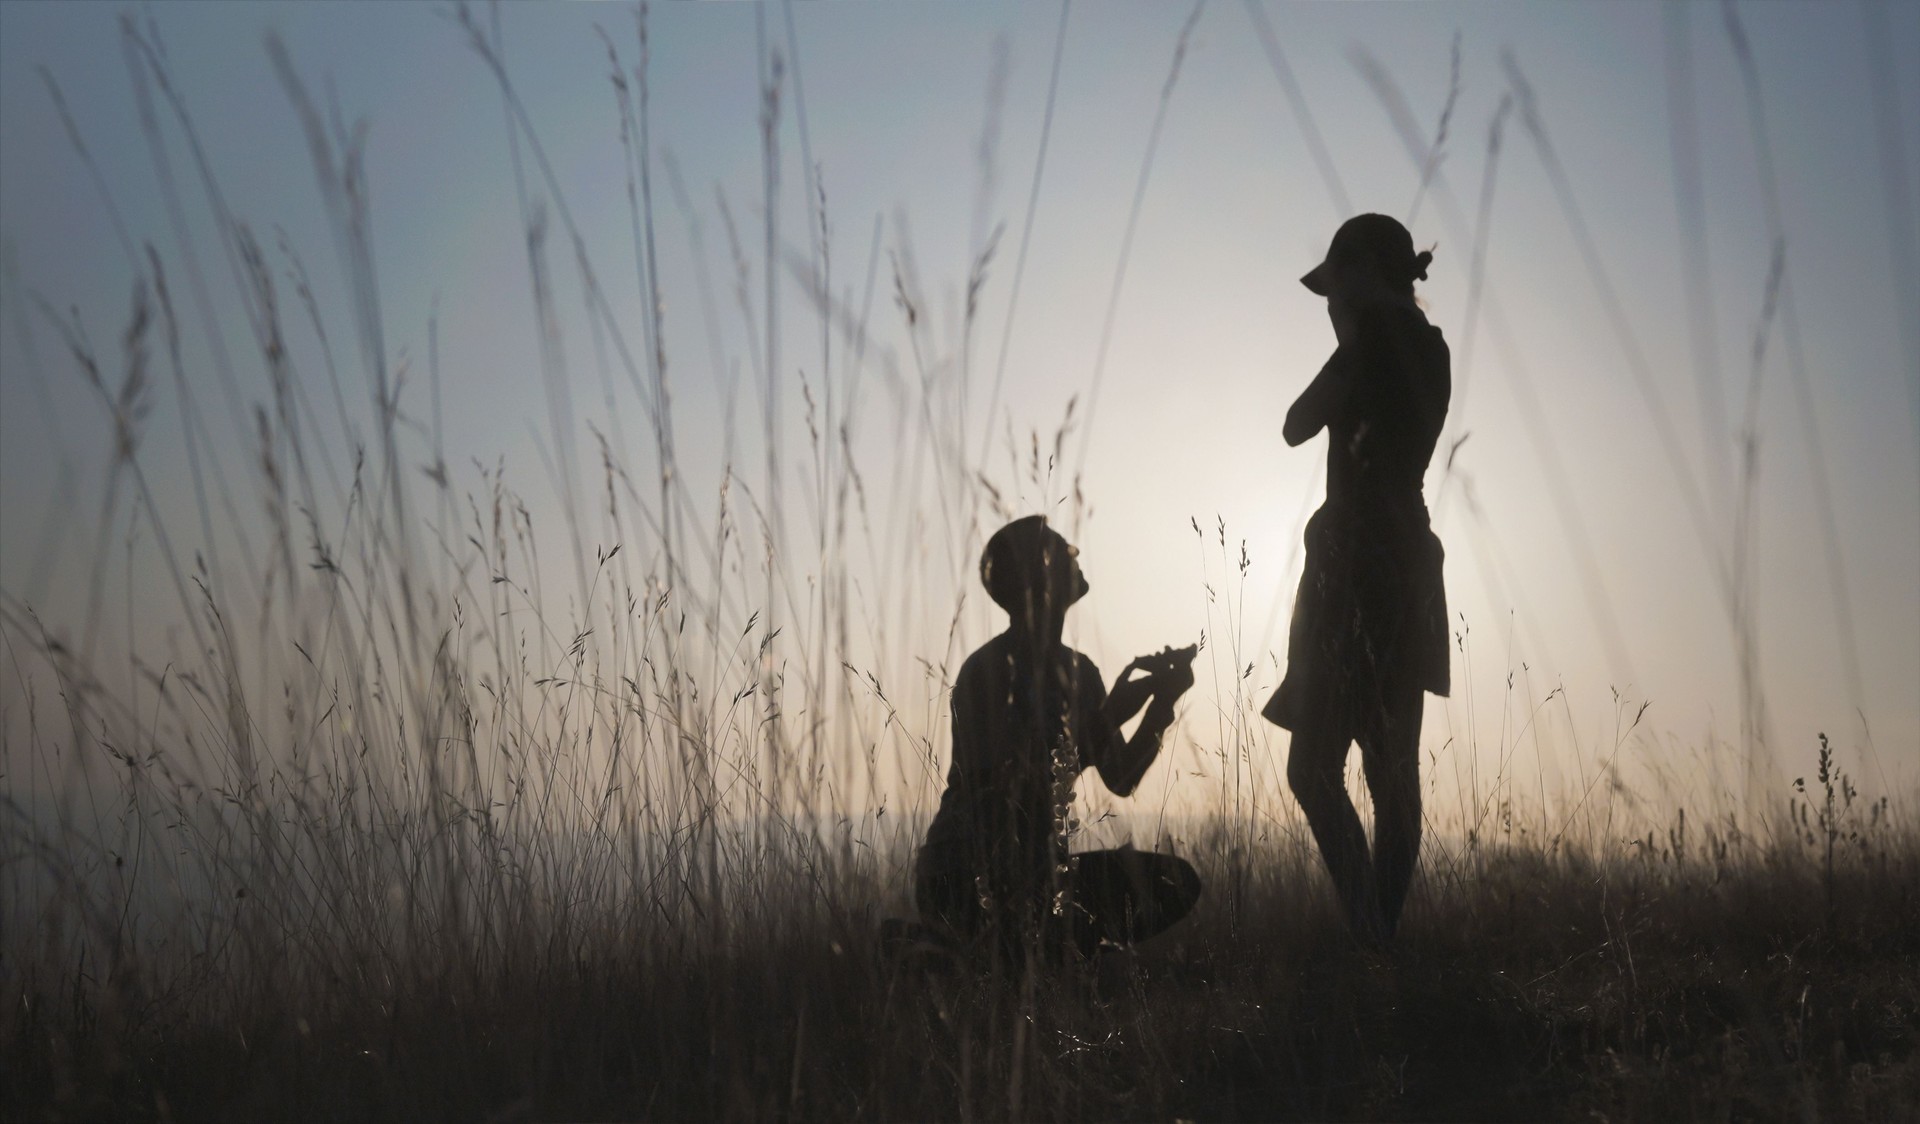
(1344, 308)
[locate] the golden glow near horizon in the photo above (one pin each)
(1597, 486)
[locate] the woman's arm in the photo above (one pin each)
(1319, 404)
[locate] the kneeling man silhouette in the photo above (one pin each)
(1029, 714)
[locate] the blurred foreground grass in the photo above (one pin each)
(1727, 980)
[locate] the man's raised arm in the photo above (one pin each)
(1125, 762)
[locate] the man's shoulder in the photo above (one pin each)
(992, 660)
(988, 660)
(1084, 669)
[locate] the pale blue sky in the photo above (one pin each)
(1213, 337)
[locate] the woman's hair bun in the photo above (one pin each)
(1421, 261)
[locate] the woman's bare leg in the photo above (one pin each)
(1391, 761)
(1316, 763)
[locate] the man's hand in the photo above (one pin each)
(1164, 677)
(1169, 671)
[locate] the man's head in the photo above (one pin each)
(1031, 572)
(1369, 251)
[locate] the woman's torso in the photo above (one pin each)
(1383, 438)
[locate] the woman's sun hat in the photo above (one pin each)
(1375, 242)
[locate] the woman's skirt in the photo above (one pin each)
(1370, 621)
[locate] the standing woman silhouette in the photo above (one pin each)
(1369, 631)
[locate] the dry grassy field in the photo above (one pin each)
(1707, 975)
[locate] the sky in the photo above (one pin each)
(1605, 376)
